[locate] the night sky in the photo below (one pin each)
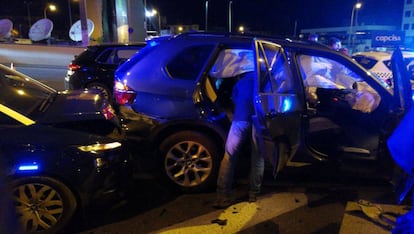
(274, 16)
(279, 16)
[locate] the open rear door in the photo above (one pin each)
(277, 123)
(401, 143)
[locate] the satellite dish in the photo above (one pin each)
(5, 28)
(75, 32)
(41, 30)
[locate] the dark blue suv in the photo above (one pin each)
(312, 105)
(94, 68)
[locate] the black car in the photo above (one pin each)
(62, 151)
(312, 104)
(95, 66)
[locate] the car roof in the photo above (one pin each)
(221, 37)
(383, 55)
(110, 45)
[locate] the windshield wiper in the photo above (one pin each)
(46, 103)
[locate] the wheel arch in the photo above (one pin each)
(217, 134)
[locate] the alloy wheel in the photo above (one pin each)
(188, 163)
(39, 207)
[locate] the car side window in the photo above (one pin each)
(104, 56)
(124, 54)
(188, 64)
(324, 73)
(274, 70)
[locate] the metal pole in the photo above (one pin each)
(145, 17)
(70, 14)
(350, 29)
(29, 18)
(84, 23)
(206, 20)
(230, 3)
(351, 36)
(159, 23)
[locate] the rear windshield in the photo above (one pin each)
(138, 56)
(87, 55)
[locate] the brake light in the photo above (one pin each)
(123, 94)
(73, 67)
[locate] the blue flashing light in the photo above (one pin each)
(287, 105)
(28, 167)
(153, 43)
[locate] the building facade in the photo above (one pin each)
(408, 21)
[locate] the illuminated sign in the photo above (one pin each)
(387, 38)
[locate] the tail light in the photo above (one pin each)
(73, 67)
(123, 94)
(108, 112)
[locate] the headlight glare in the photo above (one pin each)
(99, 147)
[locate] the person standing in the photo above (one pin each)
(313, 37)
(334, 43)
(240, 134)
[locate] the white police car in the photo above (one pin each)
(379, 62)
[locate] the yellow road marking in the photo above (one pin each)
(241, 215)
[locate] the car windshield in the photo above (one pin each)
(22, 93)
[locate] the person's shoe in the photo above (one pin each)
(252, 198)
(221, 203)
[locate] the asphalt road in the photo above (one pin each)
(299, 201)
(53, 77)
(46, 63)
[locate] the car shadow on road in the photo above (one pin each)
(145, 194)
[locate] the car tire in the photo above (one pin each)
(43, 204)
(102, 88)
(190, 161)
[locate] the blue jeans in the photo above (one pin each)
(240, 133)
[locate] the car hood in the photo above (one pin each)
(74, 106)
(48, 147)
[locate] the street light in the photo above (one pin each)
(241, 29)
(151, 14)
(357, 6)
(51, 7)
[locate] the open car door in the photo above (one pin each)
(401, 142)
(277, 123)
